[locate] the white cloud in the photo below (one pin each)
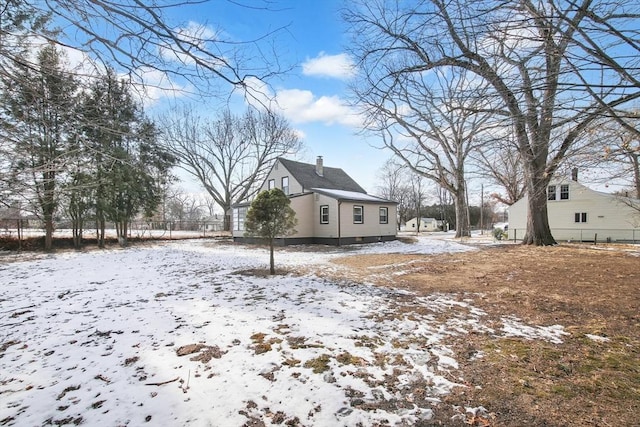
(257, 93)
(152, 85)
(301, 106)
(195, 38)
(73, 60)
(339, 66)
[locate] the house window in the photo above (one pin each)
(272, 184)
(564, 192)
(239, 215)
(551, 192)
(285, 184)
(324, 214)
(358, 214)
(384, 215)
(580, 217)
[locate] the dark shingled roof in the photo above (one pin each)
(333, 178)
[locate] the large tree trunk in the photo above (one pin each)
(538, 230)
(636, 173)
(48, 231)
(463, 228)
(77, 233)
(226, 219)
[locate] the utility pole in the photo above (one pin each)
(482, 209)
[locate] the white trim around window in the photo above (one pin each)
(358, 214)
(384, 215)
(324, 214)
(580, 217)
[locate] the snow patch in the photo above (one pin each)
(93, 337)
(597, 338)
(513, 327)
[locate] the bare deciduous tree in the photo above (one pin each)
(621, 151)
(140, 38)
(394, 185)
(229, 155)
(418, 194)
(182, 206)
(500, 162)
(554, 67)
(433, 128)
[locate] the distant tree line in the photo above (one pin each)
(76, 142)
(82, 150)
(418, 197)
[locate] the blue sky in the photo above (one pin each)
(313, 94)
(310, 38)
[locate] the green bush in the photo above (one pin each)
(500, 234)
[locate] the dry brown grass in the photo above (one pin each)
(587, 290)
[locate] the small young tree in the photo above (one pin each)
(270, 216)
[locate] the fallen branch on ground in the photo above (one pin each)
(164, 382)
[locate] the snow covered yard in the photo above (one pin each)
(176, 334)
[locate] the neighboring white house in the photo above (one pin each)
(330, 206)
(577, 213)
(213, 223)
(426, 224)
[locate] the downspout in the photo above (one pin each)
(339, 204)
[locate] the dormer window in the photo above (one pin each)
(552, 192)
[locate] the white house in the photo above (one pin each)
(426, 224)
(213, 223)
(577, 213)
(330, 206)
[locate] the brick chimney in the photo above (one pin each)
(574, 174)
(319, 166)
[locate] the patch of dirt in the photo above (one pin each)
(204, 352)
(592, 378)
(264, 272)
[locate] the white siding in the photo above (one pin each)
(237, 221)
(426, 224)
(607, 216)
(518, 218)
